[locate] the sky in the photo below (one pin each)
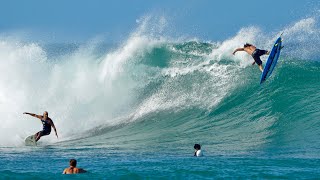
(80, 20)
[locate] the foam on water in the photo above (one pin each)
(83, 91)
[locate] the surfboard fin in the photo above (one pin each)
(282, 47)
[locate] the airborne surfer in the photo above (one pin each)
(254, 52)
(47, 124)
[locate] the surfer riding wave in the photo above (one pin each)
(254, 52)
(47, 124)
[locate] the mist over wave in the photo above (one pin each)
(167, 86)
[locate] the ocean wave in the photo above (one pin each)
(162, 86)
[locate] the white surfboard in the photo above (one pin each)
(30, 141)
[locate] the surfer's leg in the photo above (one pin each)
(261, 68)
(42, 133)
(263, 52)
(38, 135)
(258, 61)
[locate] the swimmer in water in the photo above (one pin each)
(73, 168)
(197, 150)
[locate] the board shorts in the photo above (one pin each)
(45, 132)
(256, 55)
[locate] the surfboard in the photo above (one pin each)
(272, 60)
(30, 141)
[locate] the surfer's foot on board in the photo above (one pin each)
(261, 68)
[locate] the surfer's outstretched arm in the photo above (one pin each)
(34, 115)
(238, 49)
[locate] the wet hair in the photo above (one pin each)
(247, 45)
(73, 162)
(197, 146)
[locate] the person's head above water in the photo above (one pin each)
(247, 45)
(73, 162)
(197, 147)
(197, 150)
(73, 168)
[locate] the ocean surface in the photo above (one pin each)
(134, 110)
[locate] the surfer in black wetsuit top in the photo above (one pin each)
(254, 52)
(47, 124)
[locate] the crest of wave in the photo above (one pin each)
(302, 39)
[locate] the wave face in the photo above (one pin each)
(166, 93)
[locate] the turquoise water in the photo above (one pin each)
(135, 110)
